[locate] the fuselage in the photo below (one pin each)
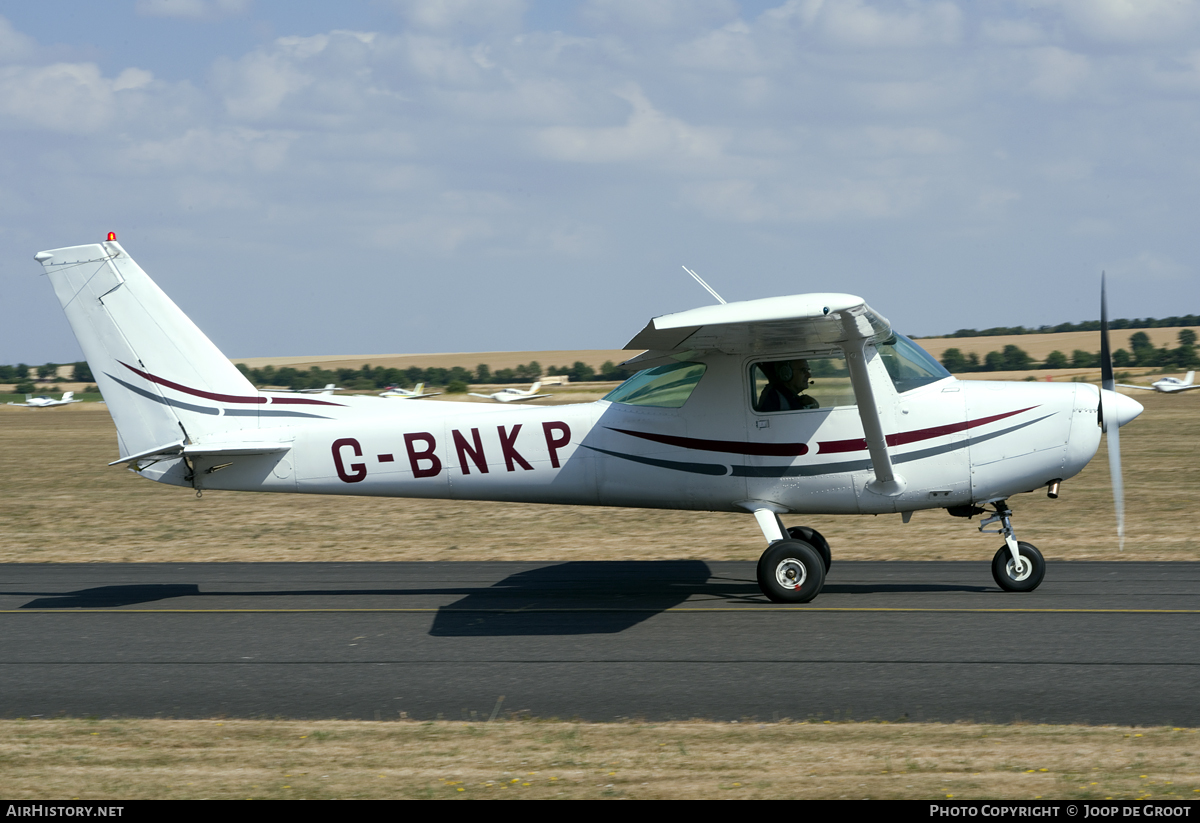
(952, 442)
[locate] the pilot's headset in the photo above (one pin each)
(785, 372)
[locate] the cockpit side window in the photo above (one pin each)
(664, 387)
(799, 384)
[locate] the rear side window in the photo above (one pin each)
(664, 387)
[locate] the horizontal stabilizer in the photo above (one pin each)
(206, 450)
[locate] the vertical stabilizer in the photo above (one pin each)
(163, 380)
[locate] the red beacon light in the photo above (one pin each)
(112, 235)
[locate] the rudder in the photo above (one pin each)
(160, 375)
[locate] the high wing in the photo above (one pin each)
(799, 324)
(518, 398)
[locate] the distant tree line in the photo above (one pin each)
(1086, 325)
(48, 372)
(1143, 354)
(379, 377)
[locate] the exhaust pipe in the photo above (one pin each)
(1052, 489)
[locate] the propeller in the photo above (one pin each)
(1115, 411)
(1110, 418)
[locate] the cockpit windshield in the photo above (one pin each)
(909, 365)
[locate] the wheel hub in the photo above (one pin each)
(790, 573)
(1020, 572)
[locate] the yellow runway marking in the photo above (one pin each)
(432, 610)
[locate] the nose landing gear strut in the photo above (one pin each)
(1017, 566)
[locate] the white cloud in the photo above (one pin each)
(70, 97)
(15, 47)
(995, 199)
(200, 150)
(256, 85)
(648, 134)
(1009, 32)
(1129, 21)
(858, 24)
(445, 15)
(1056, 73)
(891, 141)
(193, 9)
(659, 15)
(804, 201)
(132, 79)
(729, 48)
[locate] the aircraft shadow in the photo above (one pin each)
(107, 597)
(584, 597)
(902, 588)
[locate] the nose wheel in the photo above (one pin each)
(1023, 578)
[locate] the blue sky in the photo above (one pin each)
(472, 175)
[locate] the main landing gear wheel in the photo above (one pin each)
(1033, 568)
(813, 538)
(791, 571)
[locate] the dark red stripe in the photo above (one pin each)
(226, 398)
(903, 438)
(725, 446)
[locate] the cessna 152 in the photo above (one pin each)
(514, 395)
(713, 421)
(1168, 384)
(405, 394)
(44, 402)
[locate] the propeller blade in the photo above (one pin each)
(1111, 418)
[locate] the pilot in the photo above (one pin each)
(787, 381)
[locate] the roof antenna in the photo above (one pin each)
(720, 299)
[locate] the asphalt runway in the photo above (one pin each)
(1098, 643)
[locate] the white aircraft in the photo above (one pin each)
(43, 402)
(329, 388)
(705, 425)
(1168, 384)
(515, 395)
(404, 394)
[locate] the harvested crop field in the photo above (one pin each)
(530, 759)
(64, 504)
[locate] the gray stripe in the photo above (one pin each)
(811, 470)
(715, 469)
(176, 404)
(159, 399)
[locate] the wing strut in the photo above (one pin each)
(886, 481)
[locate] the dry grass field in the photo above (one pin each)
(528, 759)
(1036, 345)
(62, 503)
(468, 360)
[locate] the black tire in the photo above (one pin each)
(1027, 582)
(813, 538)
(791, 571)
